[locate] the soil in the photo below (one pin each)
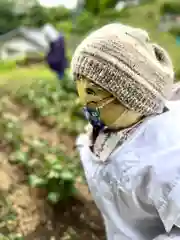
(36, 218)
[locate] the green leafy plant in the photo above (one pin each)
(48, 168)
(11, 236)
(11, 130)
(171, 7)
(57, 179)
(7, 220)
(53, 104)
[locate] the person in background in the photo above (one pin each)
(131, 150)
(56, 57)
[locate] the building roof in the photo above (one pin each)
(37, 37)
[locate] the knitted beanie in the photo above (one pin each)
(122, 60)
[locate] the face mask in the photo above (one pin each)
(93, 115)
(124, 119)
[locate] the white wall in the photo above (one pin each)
(17, 47)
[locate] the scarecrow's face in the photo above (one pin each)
(93, 96)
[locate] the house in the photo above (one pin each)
(23, 41)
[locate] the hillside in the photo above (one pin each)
(145, 16)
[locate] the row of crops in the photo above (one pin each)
(54, 103)
(46, 165)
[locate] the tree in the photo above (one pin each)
(36, 16)
(97, 6)
(9, 20)
(92, 6)
(57, 14)
(106, 4)
(22, 6)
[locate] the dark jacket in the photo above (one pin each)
(56, 57)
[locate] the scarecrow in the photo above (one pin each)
(131, 151)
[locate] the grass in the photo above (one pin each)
(15, 77)
(26, 73)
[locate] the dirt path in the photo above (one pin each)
(36, 219)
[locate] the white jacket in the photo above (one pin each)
(138, 189)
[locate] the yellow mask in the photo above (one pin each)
(113, 114)
(90, 92)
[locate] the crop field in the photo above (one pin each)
(43, 194)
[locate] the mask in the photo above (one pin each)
(114, 116)
(93, 115)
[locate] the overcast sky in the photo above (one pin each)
(66, 3)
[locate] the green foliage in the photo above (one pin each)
(11, 236)
(7, 220)
(64, 26)
(36, 16)
(114, 14)
(85, 22)
(177, 75)
(92, 6)
(48, 100)
(7, 65)
(47, 166)
(97, 6)
(175, 31)
(10, 128)
(58, 14)
(6, 14)
(107, 4)
(172, 7)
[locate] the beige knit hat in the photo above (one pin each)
(123, 61)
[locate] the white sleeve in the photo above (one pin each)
(174, 235)
(170, 209)
(161, 183)
(108, 229)
(167, 237)
(81, 141)
(166, 196)
(84, 139)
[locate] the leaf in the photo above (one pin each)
(66, 176)
(54, 197)
(37, 143)
(10, 125)
(53, 174)
(57, 167)
(12, 216)
(33, 162)
(51, 160)
(16, 237)
(36, 181)
(21, 157)
(45, 113)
